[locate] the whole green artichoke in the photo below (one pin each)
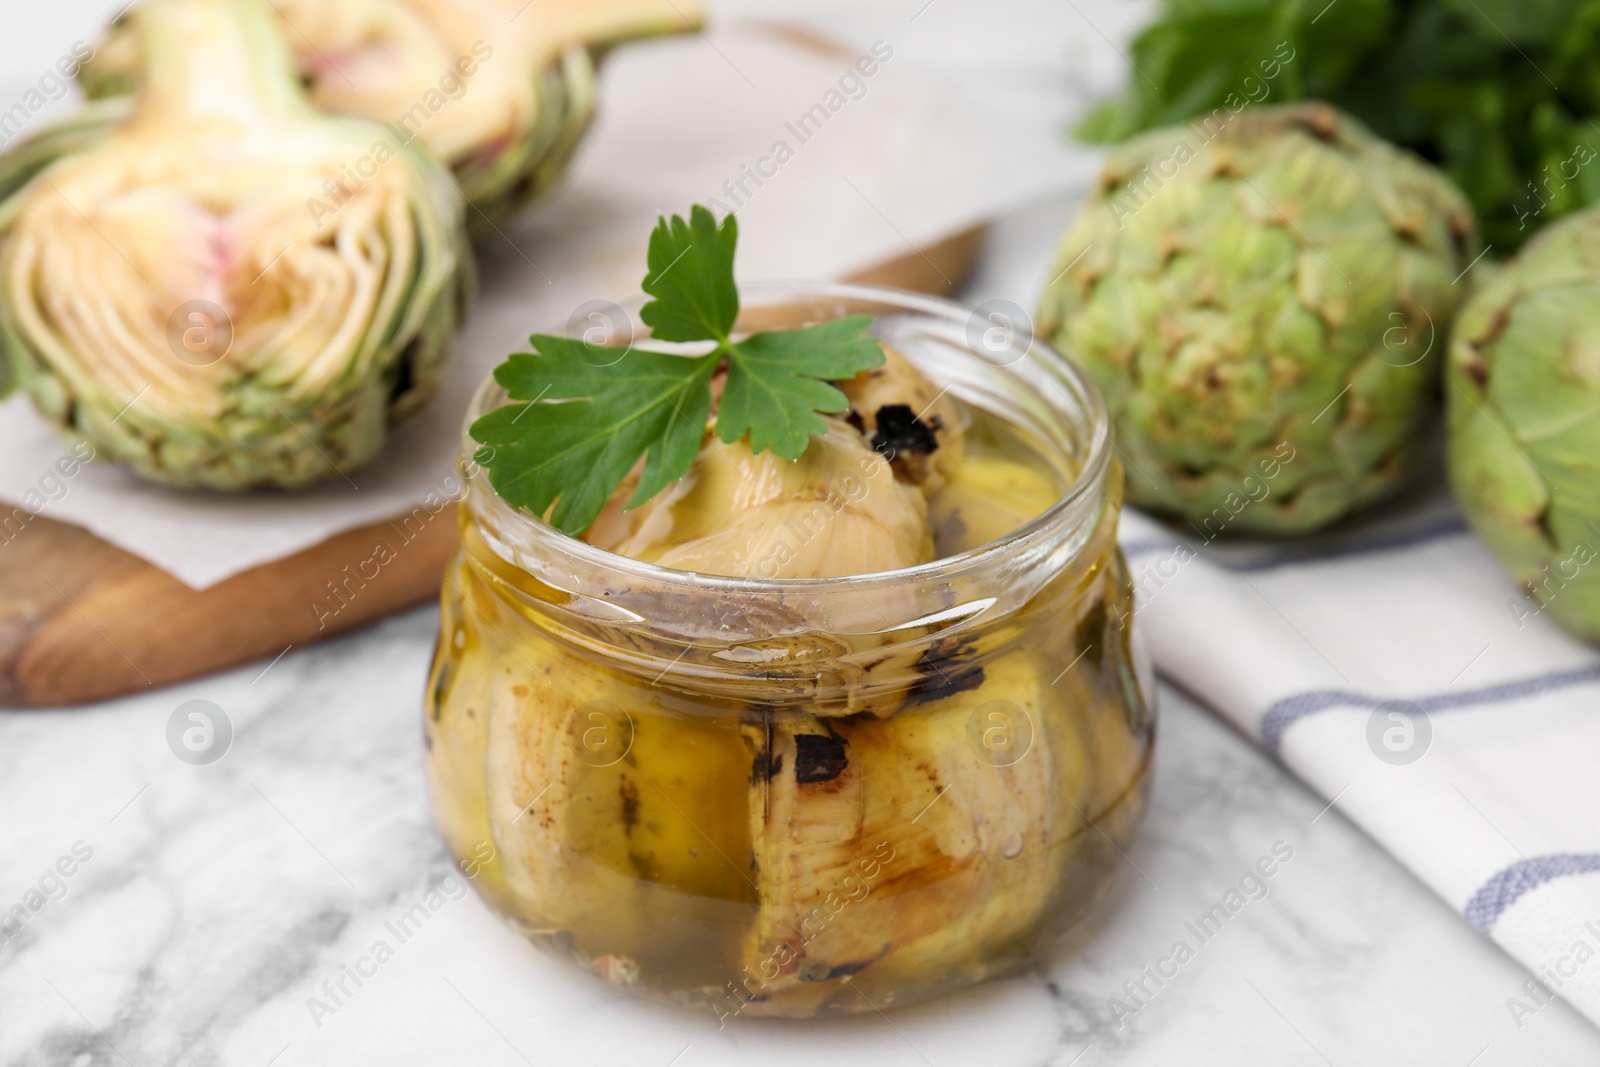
(1523, 377)
(1257, 297)
(217, 285)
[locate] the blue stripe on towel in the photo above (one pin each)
(1422, 534)
(1291, 709)
(1501, 891)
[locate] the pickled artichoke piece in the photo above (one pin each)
(837, 510)
(606, 804)
(907, 419)
(890, 849)
(854, 503)
(609, 842)
(500, 90)
(228, 289)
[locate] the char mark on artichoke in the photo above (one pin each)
(944, 670)
(819, 757)
(900, 431)
(766, 766)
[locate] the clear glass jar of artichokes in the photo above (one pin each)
(805, 797)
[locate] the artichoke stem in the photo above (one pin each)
(224, 58)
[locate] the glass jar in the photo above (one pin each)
(803, 797)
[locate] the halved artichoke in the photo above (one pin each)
(501, 90)
(216, 284)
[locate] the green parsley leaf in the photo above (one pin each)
(691, 278)
(777, 382)
(575, 454)
(582, 418)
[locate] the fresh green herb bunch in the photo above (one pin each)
(1259, 304)
(1504, 95)
(1524, 401)
(584, 417)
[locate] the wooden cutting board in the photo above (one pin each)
(82, 620)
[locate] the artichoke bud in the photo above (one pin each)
(227, 289)
(1523, 392)
(1261, 297)
(499, 90)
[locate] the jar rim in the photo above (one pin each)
(1056, 521)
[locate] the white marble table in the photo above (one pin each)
(219, 898)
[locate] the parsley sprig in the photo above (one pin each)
(581, 418)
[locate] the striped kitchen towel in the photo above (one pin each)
(1398, 670)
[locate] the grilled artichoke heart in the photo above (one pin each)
(1523, 393)
(501, 90)
(902, 799)
(1257, 297)
(837, 510)
(855, 503)
(217, 285)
